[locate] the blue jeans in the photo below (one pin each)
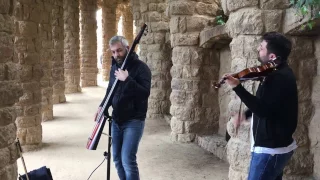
(125, 141)
(268, 167)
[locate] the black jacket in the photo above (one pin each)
(275, 108)
(130, 97)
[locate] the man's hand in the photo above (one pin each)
(95, 118)
(231, 81)
(121, 75)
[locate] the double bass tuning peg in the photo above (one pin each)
(146, 31)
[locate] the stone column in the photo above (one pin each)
(58, 52)
(303, 63)
(45, 31)
(109, 29)
(314, 128)
(27, 45)
(10, 91)
(88, 43)
(71, 46)
(193, 101)
(127, 22)
(156, 52)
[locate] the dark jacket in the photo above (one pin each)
(275, 108)
(130, 97)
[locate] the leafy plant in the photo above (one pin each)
(304, 7)
(221, 19)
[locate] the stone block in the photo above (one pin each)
(9, 172)
(195, 24)
(181, 8)
(301, 162)
(208, 99)
(160, 26)
(245, 21)
(214, 36)
(174, 24)
(234, 5)
(32, 110)
(161, 7)
(238, 154)
(179, 84)
(302, 48)
(9, 93)
(301, 135)
(26, 121)
(4, 157)
(305, 112)
(224, 6)
(7, 116)
(34, 135)
(237, 174)
(186, 138)
(4, 7)
(183, 55)
(6, 23)
(293, 22)
(159, 38)
(7, 135)
(154, 16)
(187, 39)
(181, 113)
(176, 71)
(273, 20)
(274, 4)
(152, 7)
(207, 9)
(178, 97)
(28, 29)
(244, 47)
(191, 72)
(214, 144)
(304, 90)
(159, 95)
(177, 126)
(153, 48)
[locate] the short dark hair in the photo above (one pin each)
(278, 44)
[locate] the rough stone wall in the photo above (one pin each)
(46, 82)
(109, 29)
(224, 92)
(155, 51)
(314, 128)
(247, 22)
(71, 46)
(88, 43)
(27, 45)
(192, 108)
(58, 52)
(10, 91)
(127, 22)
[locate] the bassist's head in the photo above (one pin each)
(274, 45)
(119, 47)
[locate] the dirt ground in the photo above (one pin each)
(64, 147)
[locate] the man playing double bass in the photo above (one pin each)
(273, 111)
(129, 103)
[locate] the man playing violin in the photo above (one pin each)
(273, 111)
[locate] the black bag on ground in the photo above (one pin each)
(42, 173)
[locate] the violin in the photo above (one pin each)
(252, 73)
